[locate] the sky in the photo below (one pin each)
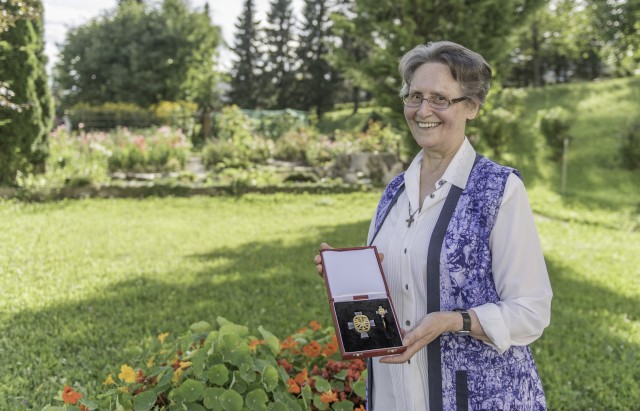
(61, 15)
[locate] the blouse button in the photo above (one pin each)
(441, 182)
(406, 286)
(408, 323)
(432, 195)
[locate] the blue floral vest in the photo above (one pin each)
(465, 373)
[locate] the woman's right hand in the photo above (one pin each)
(318, 259)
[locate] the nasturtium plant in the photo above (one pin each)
(224, 367)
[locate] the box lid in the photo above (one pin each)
(351, 272)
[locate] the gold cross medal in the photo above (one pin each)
(362, 324)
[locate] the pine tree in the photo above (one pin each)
(245, 81)
(280, 62)
(23, 132)
(319, 79)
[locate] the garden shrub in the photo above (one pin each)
(236, 143)
(554, 124)
(497, 123)
(152, 150)
(630, 145)
(225, 368)
(111, 115)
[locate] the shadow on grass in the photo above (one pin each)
(271, 284)
(585, 357)
(584, 361)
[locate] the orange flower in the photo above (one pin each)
(330, 348)
(302, 330)
(302, 377)
(313, 349)
(253, 344)
(69, 396)
(329, 397)
(315, 326)
(294, 388)
(360, 408)
(288, 343)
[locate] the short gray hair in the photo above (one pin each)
(467, 67)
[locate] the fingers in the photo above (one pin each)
(380, 256)
(318, 258)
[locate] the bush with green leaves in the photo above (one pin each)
(498, 123)
(150, 150)
(554, 124)
(630, 145)
(111, 115)
(236, 143)
(225, 368)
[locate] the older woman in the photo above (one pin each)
(462, 256)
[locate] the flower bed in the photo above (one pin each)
(228, 369)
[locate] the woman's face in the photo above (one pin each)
(438, 131)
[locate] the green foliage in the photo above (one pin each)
(235, 143)
(389, 28)
(27, 119)
(108, 116)
(554, 124)
(153, 150)
(245, 82)
(630, 145)
(498, 122)
(278, 78)
(165, 46)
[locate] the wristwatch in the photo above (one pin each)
(466, 322)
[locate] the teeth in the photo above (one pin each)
(428, 125)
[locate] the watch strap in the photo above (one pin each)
(466, 322)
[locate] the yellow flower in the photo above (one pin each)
(185, 364)
(127, 374)
(150, 362)
(162, 337)
(176, 375)
(124, 389)
(109, 380)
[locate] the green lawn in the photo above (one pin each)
(84, 283)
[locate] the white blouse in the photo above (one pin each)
(519, 270)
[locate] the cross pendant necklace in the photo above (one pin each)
(410, 219)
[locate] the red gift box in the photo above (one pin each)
(363, 315)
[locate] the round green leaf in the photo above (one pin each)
(271, 340)
(322, 385)
(239, 385)
(307, 395)
(201, 327)
(189, 391)
(240, 330)
(212, 398)
(256, 400)
(234, 349)
(144, 401)
(218, 374)
(247, 372)
(270, 378)
(345, 405)
(231, 401)
(194, 407)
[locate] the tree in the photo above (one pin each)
(245, 76)
(280, 61)
(320, 79)
(393, 27)
(138, 54)
(618, 21)
(23, 133)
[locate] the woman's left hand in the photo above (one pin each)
(431, 326)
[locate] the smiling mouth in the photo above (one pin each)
(428, 125)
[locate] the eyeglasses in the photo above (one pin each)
(436, 102)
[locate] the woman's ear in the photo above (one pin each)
(472, 109)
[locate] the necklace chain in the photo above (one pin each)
(410, 220)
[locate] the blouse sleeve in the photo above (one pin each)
(520, 275)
